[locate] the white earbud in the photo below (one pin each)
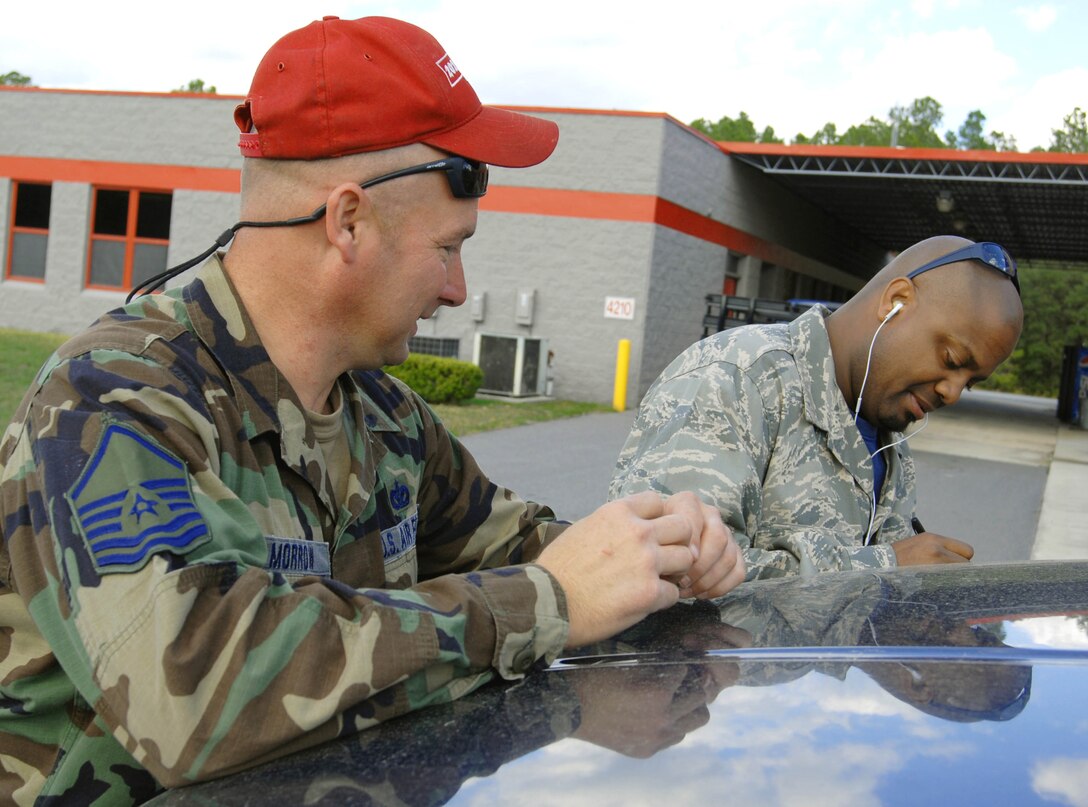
(869, 360)
(893, 312)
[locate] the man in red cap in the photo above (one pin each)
(227, 535)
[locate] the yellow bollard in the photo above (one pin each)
(619, 390)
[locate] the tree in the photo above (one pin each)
(913, 126)
(196, 85)
(916, 126)
(827, 136)
(15, 79)
(1003, 142)
(738, 130)
(768, 136)
(1055, 314)
(972, 135)
(871, 133)
(1073, 137)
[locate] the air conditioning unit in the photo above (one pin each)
(512, 365)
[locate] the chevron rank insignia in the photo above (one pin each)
(133, 500)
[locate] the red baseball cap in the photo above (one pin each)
(339, 87)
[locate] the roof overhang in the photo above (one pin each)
(1035, 204)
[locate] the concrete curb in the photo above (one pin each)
(1063, 522)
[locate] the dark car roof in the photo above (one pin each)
(957, 684)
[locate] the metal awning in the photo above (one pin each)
(1035, 204)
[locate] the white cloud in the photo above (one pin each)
(791, 64)
(927, 9)
(1038, 18)
(1064, 780)
(923, 8)
(830, 742)
(137, 47)
(1032, 115)
(1050, 631)
(943, 65)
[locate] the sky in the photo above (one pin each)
(791, 64)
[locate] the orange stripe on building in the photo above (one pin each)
(127, 175)
(595, 205)
(572, 204)
(671, 215)
(635, 208)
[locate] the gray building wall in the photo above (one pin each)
(571, 263)
(169, 129)
(683, 269)
(115, 128)
(597, 259)
(61, 304)
(571, 260)
(5, 212)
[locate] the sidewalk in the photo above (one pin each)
(1063, 522)
(1021, 429)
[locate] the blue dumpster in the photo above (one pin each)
(1080, 405)
(1073, 386)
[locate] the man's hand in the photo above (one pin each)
(638, 555)
(671, 701)
(928, 547)
(720, 565)
(612, 565)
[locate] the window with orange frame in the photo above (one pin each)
(28, 235)
(130, 236)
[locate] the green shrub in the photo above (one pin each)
(438, 380)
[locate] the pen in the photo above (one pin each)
(918, 528)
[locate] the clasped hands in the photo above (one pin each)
(637, 555)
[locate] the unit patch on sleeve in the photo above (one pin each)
(133, 499)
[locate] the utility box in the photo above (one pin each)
(513, 365)
(478, 306)
(523, 306)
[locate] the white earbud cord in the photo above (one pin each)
(857, 411)
(872, 503)
(868, 364)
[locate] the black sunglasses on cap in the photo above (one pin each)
(467, 180)
(993, 255)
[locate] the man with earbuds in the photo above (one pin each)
(794, 430)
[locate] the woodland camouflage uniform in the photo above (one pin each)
(181, 595)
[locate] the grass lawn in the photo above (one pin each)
(22, 353)
(479, 415)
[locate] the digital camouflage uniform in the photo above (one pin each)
(753, 421)
(181, 597)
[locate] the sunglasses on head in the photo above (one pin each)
(993, 255)
(467, 180)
